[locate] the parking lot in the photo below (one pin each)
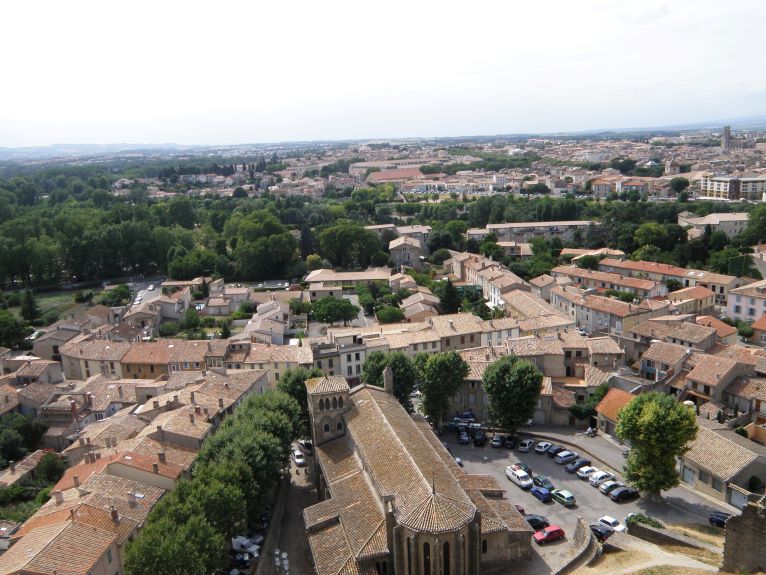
(678, 506)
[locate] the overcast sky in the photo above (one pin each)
(236, 72)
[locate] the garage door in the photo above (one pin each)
(737, 499)
(688, 476)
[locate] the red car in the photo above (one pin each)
(550, 533)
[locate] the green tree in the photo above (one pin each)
(651, 234)
(659, 430)
(389, 314)
(450, 299)
(11, 445)
(193, 547)
(588, 262)
(679, 184)
(513, 387)
(12, 331)
(347, 244)
(29, 309)
(293, 383)
(225, 329)
(441, 377)
(51, 468)
(314, 261)
(331, 310)
(405, 375)
(191, 321)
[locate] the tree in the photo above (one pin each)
(191, 321)
(11, 445)
(51, 468)
(293, 383)
(659, 430)
(441, 377)
(513, 387)
(347, 244)
(440, 256)
(679, 184)
(653, 234)
(390, 314)
(29, 309)
(314, 261)
(405, 375)
(192, 547)
(588, 408)
(12, 331)
(331, 310)
(587, 262)
(449, 300)
(225, 329)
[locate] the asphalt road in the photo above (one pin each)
(678, 506)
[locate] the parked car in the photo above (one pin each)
(526, 445)
(612, 523)
(564, 497)
(623, 494)
(497, 441)
(523, 466)
(543, 481)
(718, 518)
(597, 479)
(510, 443)
(577, 464)
(608, 486)
(306, 445)
(565, 457)
(299, 458)
(474, 428)
(519, 477)
(554, 450)
(480, 438)
(541, 493)
(151, 287)
(463, 439)
(537, 522)
(548, 534)
(587, 471)
(601, 532)
(542, 447)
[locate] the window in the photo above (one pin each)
(276, 376)
(340, 426)
(483, 546)
(433, 345)
(321, 405)
(108, 555)
(717, 484)
(704, 477)
(462, 339)
(426, 559)
(319, 363)
(358, 368)
(349, 370)
(751, 311)
(340, 402)
(471, 339)
(348, 357)
(578, 354)
(737, 309)
(335, 403)
(445, 559)
(567, 354)
(330, 362)
(356, 356)
(327, 428)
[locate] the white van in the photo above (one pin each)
(519, 477)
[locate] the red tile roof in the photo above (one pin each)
(613, 402)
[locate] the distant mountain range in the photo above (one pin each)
(70, 151)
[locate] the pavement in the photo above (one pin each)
(678, 505)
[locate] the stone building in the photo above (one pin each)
(392, 498)
(743, 550)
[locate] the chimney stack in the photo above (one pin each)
(12, 465)
(192, 397)
(191, 417)
(131, 499)
(388, 380)
(156, 404)
(119, 390)
(59, 497)
(82, 442)
(76, 479)
(161, 457)
(115, 515)
(220, 402)
(451, 324)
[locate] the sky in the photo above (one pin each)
(229, 72)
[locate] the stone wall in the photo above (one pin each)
(743, 547)
(661, 536)
(581, 547)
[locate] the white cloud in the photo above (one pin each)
(229, 72)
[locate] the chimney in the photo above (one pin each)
(82, 442)
(76, 479)
(226, 385)
(388, 380)
(161, 457)
(81, 492)
(156, 404)
(131, 499)
(175, 399)
(88, 440)
(191, 417)
(220, 402)
(119, 390)
(451, 324)
(59, 497)
(98, 455)
(155, 468)
(115, 515)
(12, 465)
(192, 397)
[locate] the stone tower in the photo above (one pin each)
(327, 401)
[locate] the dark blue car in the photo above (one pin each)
(542, 494)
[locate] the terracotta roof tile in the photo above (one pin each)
(613, 402)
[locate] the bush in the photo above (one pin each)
(390, 315)
(645, 519)
(741, 431)
(169, 328)
(83, 296)
(208, 321)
